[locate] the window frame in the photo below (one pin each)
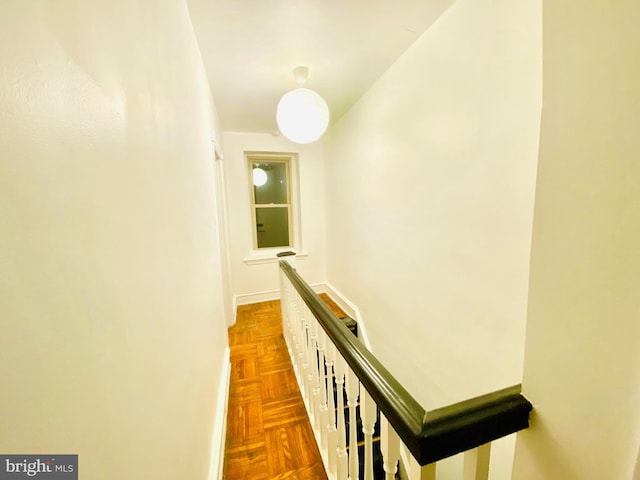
(258, 254)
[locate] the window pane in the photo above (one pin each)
(275, 188)
(272, 227)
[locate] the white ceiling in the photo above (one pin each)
(250, 48)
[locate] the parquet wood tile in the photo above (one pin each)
(283, 412)
(268, 432)
(279, 385)
(243, 391)
(286, 446)
(305, 473)
(247, 368)
(247, 463)
(248, 425)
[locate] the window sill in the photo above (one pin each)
(258, 258)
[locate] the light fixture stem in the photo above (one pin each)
(301, 74)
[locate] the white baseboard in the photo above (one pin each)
(234, 312)
(220, 422)
(268, 295)
(350, 309)
(257, 297)
(319, 287)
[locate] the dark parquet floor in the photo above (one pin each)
(268, 432)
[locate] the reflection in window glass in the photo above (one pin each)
(275, 188)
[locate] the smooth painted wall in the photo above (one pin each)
(429, 189)
(430, 182)
(113, 335)
(582, 362)
(251, 281)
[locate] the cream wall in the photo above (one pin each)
(582, 362)
(256, 281)
(113, 335)
(429, 187)
(430, 182)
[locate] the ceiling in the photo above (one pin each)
(250, 48)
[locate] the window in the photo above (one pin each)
(271, 200)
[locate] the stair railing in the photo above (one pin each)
(326, 355)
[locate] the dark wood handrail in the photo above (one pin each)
(432, 435)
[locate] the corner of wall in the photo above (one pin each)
(220, 423)
(350, 309)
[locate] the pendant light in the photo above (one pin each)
(302, 115)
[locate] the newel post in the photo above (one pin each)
(288, 257)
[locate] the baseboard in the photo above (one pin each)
(257, 297)
(234, 312)
(220, 423)
(350, 309)
(319, 287)
(268, 295)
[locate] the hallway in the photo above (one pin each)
(268, 431)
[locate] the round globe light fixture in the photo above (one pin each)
(259, 177)
(302, 115)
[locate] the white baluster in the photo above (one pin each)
(304, 355)
(332, 431)
(324, 416)
(390, 448)
(476, 463)
(368, 410)
(310, 361)
(340, 369)
(315, 371)
(353, 387)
